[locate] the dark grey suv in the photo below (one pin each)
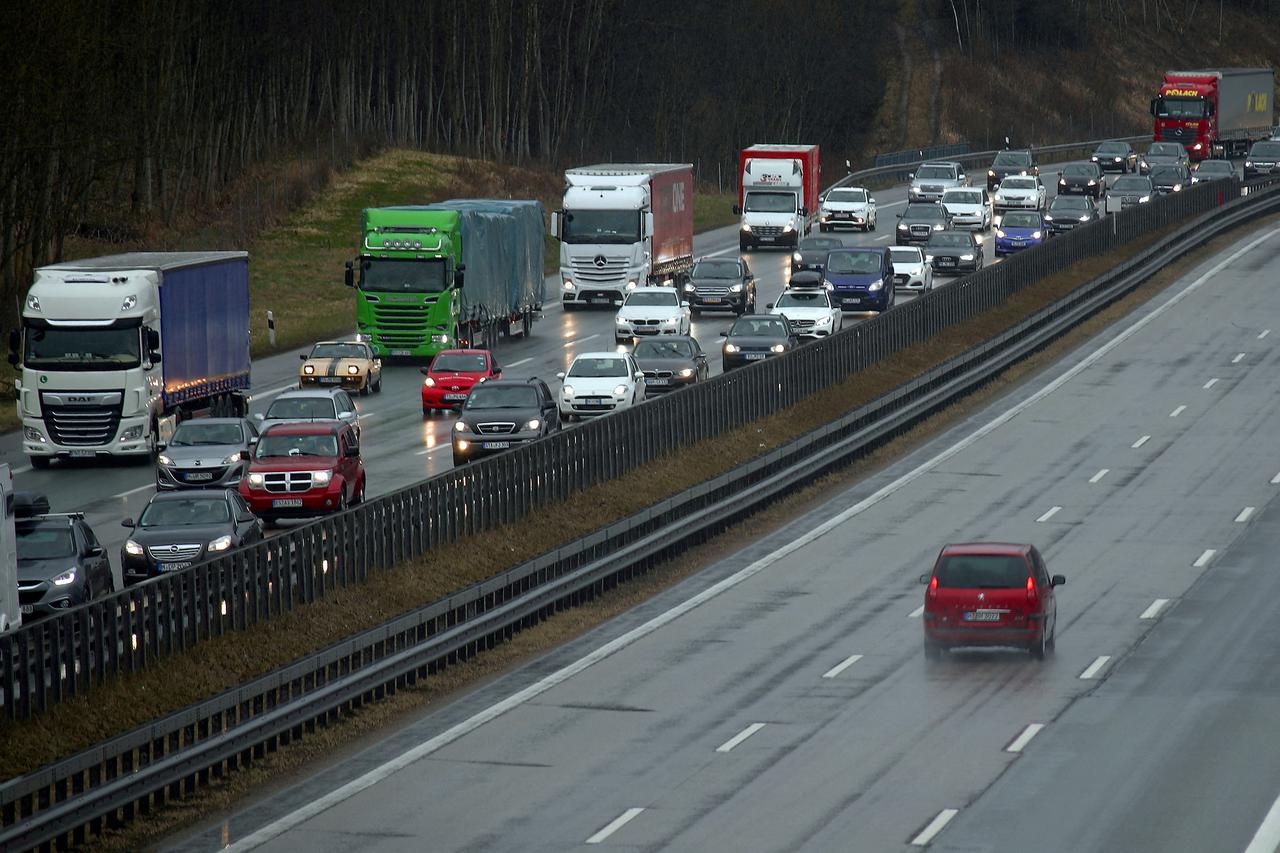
(60, 562)
(503, 414)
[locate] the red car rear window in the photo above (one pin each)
(981, 571)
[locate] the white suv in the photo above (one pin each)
(931, 180)
(651, 311)
(598, 383)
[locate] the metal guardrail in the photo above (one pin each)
(919, 155)
(68, 801)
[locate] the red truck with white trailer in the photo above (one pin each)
(1214, 112)
(778, 191)
(622, 226)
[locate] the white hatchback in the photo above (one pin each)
(598, 383)
(651, 311)
(970, 207)
(910, 268)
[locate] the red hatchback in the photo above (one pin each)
(304, 469)
(451, 375)
(990, 594)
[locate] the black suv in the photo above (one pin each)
(501, 414)
(60, 561)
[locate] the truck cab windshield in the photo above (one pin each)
(601, 226)
(386, 275)
(82, 349)
(1180, 107)
(769, 202)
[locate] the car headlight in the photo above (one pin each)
(321, 478)
(938, 227)
(1248, 164)
(133, 549)
(1036, 235)
(928, 259)
(1062, 182)
(689, 288)
(797, 257)
(735, 288)
(460, 426)
(164, 460)
(618, 321)
(746, 227)
(568, 285)
(1048, 217)
(967, 257)
(876, 285)
(533, 424)
(66, 578)
(778, 348)
(991, 173)
(222, 543)
(732, 348)
(670, 321)
(353, 370)
(429, 382)
(902, 226)
(568, 390)
(1177, 188)
(1144, 199)
(1094, 158)
(1092, 182)
(1084, 218)
(1118, 159)
(234, 458)
(308, 369)
(621, 391)
(255, 481)
(685, 373)
(999, 233)
(1142, 163)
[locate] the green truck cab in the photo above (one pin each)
(410, 300)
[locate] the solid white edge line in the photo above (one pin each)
(1211, 383)
(1245, 515)
(1267, 838)
(842, 666)
(1098, 476)
(919, 611)
(1263, 333)
(1177, 411)
(1094, 668)
(1020, 742)
(1274, 480)
(935, 826)
(1053, 510)
(431, 745)
(1203, 559)
(1154, 608)
(614, 825)
(1239, 358)
(568, 344)
(518, 363)
(728, 745)
(1140, 442)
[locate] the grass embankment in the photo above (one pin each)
(224, 662)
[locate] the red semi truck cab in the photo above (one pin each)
(778, 191)
(1214, 112)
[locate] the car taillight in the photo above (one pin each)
(933, 587)
(1031, 588)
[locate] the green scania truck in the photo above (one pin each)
(409, 276)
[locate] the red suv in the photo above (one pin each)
(452, 374)
(304, 469)
(990, 594)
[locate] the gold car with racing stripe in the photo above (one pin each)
(341, 364)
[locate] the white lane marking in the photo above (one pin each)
(1177, 411)
(134, 491)
(1211, 383)
(614, 825)
(1094, 668)
(1263, 333)
(884, 237)
(842, 666)
(568, 344)
(719, 253)
(271, 393)
(1203, 559)
(1141, 441)
(739, 737)
(935, 826)
(1275, 480)
(429, 450)
(518, 363)
(915, 614)
(1239, 358)
(1021, 741)
(1050, 514)
(1154, 608)
(1098, 476)
(1267, 838)
(465, 727)
(1245, 515)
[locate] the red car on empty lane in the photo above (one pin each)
(451, 375)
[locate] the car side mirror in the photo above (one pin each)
(684, 304)
(253, 442)
(872, 200)
(353, 450)
(349, 274)
(160, 445)
(259, 417)
(737, 210)
(302, 356)
(128, 522)
(560, 375)
(342, 416)
(725, 333)
(639, 374)
(15, 359)
(497, 374)
(1057, 580)
(769, 306)
(425, 371)
(924, 579)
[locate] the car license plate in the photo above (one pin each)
(495, 445)
(82, 454)
(755, 356)
(1017, 242)
(599, 300)
(946, 262)
(330, 380)
(657, 382)
(982, 616)
(173, 567)
(455, 396)
(401, 352)
(27, 609)
(286, 502)
(712, 300)
(843, 216)
(198, 476)
(852, 300)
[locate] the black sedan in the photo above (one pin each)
(755, 338)
(1068, 211)
(501, 414)
(1008, 163)
(1213, 170)
(1115, 157)
(1263, 159)
(920, 220)
(670, 363)
(60, 563)
(1082, 179)
(1162, 154)
(181, 528)
(811, 254)
(954, 251)
(721, 283)
(1170, 179)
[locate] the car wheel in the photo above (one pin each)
(268, 521)
(932, 651)
(358, 497)
(377, 386)
(618, 341)
(1051, 645)
(743, 245)
(1037, 648)
(872, 226)
(822, 228)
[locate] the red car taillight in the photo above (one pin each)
(933, 587)
(1031, 588)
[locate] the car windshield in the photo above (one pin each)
(1112, 148)
(601, 226)
(196, 434)
(923, 212)
(1069, 202)
(595, 368)
(1216, 167)
(1265, 150)
(962, 197)
(758, 326)
(664, 349)
(848, 196)
(459, 362)
(936, 172)
(1021, 220)
(821, 243)
(981, 571)
(1078, 171)
(502, 397)
(803, 299)
(271, 446)
(853, 263)
(767, 202)
(716, 269)
(906, 256)
(664, 297)
(1012, 158)
(1131, 185)
(302, 408)
(1165, 149)
(44, 541)
(950, 239)
(339, 351)
(1166, 175)
(1018, 184)
(185, 513)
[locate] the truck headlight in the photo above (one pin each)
(222, 543)
(32, 434)
(321, 478)
(568, 285)
(66, 578)
(133, 433)
(440, 339)
(133, 549)
(256, 481)
(631, 285)
(308, 369)
(164, 460)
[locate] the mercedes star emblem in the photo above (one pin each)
(600, 261)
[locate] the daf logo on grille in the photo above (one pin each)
(79, 399)
(600, 261)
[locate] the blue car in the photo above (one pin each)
(861, 279)
(1020, 229)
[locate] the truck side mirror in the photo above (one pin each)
(737, 210)
(556, 216)
(15, 340)
(648, 224)
(804, 211)
(153, 339)
(1152, 108)
(349, 274)
(459, 277)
